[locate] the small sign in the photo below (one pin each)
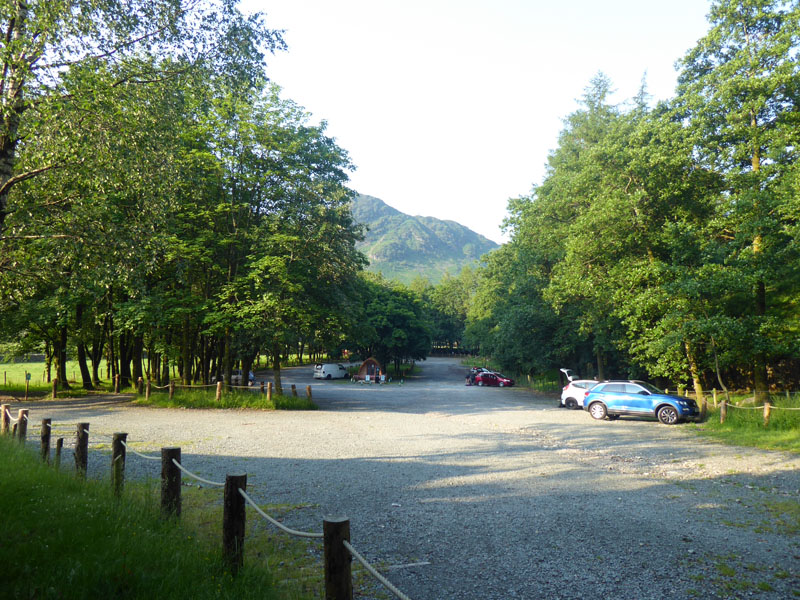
(27, 376)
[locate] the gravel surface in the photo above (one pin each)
(458, 492)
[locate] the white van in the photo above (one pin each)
(330, 371)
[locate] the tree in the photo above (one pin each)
(739, 91)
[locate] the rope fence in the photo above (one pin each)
(338, 553)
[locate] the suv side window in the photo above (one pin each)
(614, 387)
(632, 388)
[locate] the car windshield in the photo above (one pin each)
(650, 388)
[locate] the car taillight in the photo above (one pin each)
(564, 389)
(586, 393)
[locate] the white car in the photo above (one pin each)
(330, 371)
(572, 393)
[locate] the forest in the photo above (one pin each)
(663, 240)
(164, 209)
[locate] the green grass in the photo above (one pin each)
(67, 538)
(745, 426)
(206, 398)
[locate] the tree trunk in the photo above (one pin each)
(124, 360)
(695, 372)
(137, 348)
(60, 355)
(276, 369)
(13, 101)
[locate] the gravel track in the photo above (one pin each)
(492, 494)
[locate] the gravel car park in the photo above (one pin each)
(458, 494)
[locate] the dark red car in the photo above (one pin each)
(493, 379)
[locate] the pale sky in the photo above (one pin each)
(448, 108)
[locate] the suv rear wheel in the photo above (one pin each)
(598, 410)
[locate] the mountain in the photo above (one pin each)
(402, 247)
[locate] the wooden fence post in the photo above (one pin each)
(59, 448)
(338, 577)
(140, 386)
(269, 391)
(714, 391)
(294, 390)
(308, 391)
(22, 422)
(46, 431)
(233, 522)
(723, 411)
(5, 419)
(116, 383)
(147, 390)
(82, 449)
(118, 441)
(170, 483)
(262, 388)
(704, 408)
(171, 389)
(767, 409)
(218, 395)
(55, 388)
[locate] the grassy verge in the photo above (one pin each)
(68, 538)
(745, 426)
(206, 398)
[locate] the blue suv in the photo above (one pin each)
(614, 398)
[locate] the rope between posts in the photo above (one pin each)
(140, 454)
(190, 474)
(277, 524)
(373, 572)
(8, 412)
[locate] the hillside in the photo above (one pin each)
(402, 246)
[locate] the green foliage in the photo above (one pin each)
(662, 242)
(206, 398)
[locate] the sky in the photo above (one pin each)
(449, 108)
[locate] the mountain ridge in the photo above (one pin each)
(402, 246)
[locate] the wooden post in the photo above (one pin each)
(767, 409)
(22, 422)
(27, 385)
(171, 389)
(233, 521)
(338, 578)
(118, 452)
(308, 391)
(723, 411)
(147, 390)
(704, 408)
(714, 391)
(218, 396)
(82, 449)
(294, 390)
(170, 483)
(140, 386)
(269, 391)
(116, 383)
(59, 448)
(5, 419)
(55, 388)
(46, 431)
(262, 388)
